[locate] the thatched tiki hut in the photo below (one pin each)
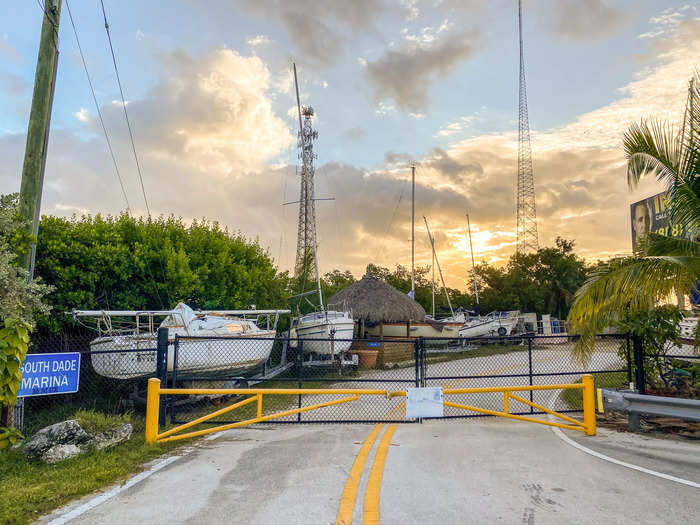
(375, 303)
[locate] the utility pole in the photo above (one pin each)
(39, 124)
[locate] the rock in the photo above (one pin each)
(111, 437)
(65, 433)
(59, 453)
(68, 439)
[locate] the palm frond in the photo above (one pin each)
(652, 148)
(633, 283)
(654, 245)
(690, 133)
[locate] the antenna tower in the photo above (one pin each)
(305, 268)
(527, 216)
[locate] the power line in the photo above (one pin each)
(126, 114)
(97, 107)
(51, 20)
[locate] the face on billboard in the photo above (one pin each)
(641, 220)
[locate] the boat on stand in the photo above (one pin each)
(222, 340)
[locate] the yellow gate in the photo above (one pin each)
(588, 426)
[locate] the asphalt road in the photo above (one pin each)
(476, 471)
(479, 470)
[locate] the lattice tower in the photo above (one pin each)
(527, 216)
(305, 264)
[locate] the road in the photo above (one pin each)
(477, 471)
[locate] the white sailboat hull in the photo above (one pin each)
(341, 328)
(194, 355)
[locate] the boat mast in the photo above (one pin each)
(433, 284)
(413, 232)
(471, 249)
(432, 243)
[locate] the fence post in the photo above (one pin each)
(639, 372)
(416, 360)
(629, 361)
(529, 360)
(588, 404)
(162, 367)
(300, 363)
(152, 410)
(172, 405)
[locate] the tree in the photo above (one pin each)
(541, 282)
(127, 263)
(661, 266)
(20, 300)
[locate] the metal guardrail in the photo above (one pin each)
(635, 404)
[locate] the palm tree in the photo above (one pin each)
(661, 265)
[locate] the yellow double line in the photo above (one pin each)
(370, 514)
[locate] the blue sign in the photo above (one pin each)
(371, 344)
(47, 374)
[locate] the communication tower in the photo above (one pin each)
(527, 239)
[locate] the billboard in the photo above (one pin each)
(653, 215)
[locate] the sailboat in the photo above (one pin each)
(323, 332)
(493, 324)
(221, 340)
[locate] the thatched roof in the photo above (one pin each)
(374, 300)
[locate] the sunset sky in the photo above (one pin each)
(211, 99)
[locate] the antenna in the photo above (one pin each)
(307, 257)
(526, 213)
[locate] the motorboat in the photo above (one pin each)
(496, 323)
(213, 341)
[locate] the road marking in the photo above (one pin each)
(566, 439)
(374, 484)
(98, 500)
(347, 500)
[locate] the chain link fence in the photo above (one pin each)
(114, 372)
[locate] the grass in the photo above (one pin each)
(30, 488)
(609, 380)
(96, 422)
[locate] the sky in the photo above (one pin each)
(210, 95)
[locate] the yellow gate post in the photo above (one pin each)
(588, 404)
(152, 405)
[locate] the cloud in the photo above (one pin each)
(213, 111)
(7, 50)
(82, 115)
(319, 31)
(258, 40)
(404, 75)
(13, 85)
(584, 20)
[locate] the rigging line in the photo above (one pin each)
(126, 114)
(97, 107)
(391, 221)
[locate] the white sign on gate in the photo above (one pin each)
(423, 402)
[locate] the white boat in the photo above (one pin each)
(494, 324)
(329, 324)
(229, 340)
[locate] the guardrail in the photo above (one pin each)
(635, 404)
(588, 426)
